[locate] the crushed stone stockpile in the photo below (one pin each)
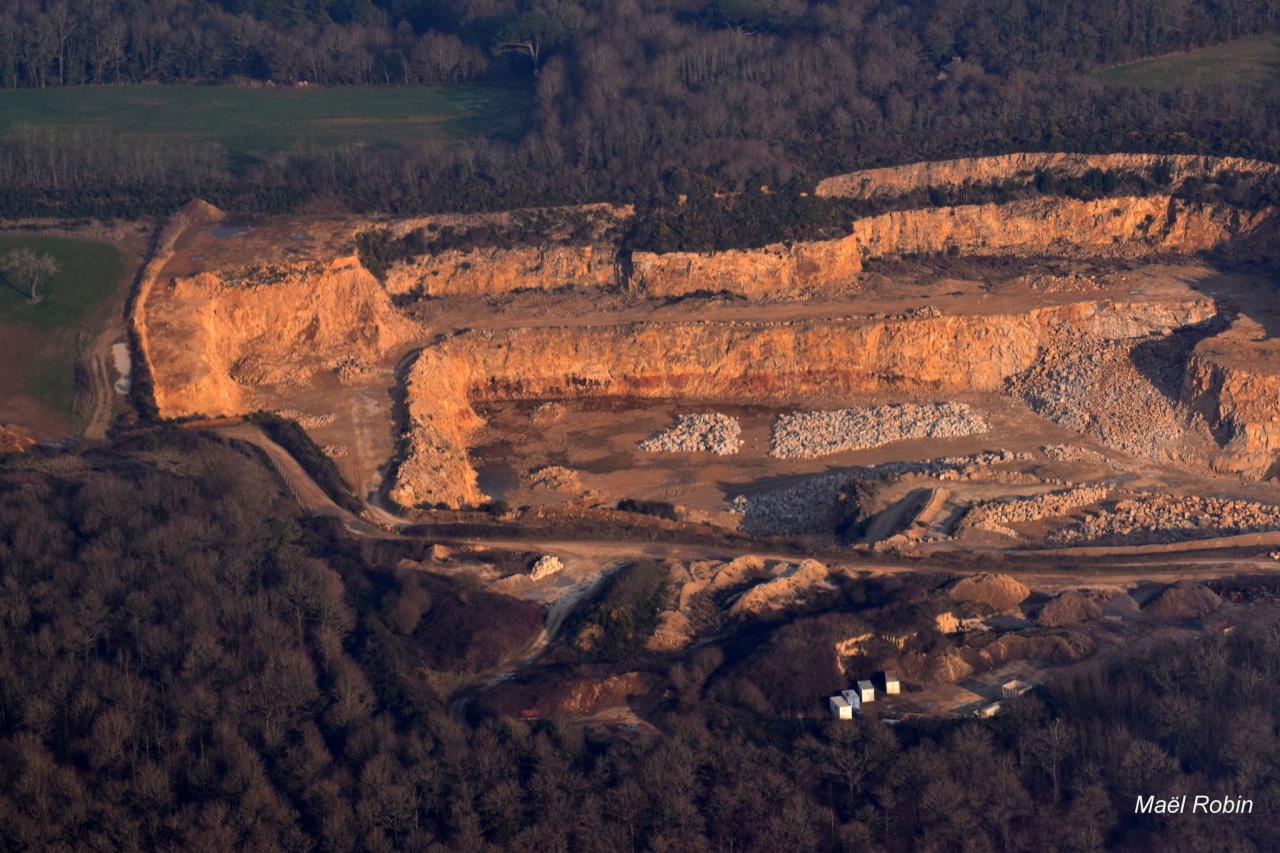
(1119, 392)
(814, 505)
(994, 516)
(804, 435)
(713, 433)
(1162, 519)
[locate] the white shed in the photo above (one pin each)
(840, 709)
(866, 691)
(1010, 689)
(853, 698)
(891, 684)
(988, 710)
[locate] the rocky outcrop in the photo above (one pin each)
(901, 180)
(479, 272)
(213, 338)
(1233, 382)
(1115, 227)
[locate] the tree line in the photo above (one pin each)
(744, 93)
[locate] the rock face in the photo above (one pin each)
(899, 180)
(212, 338)
(495, 271)
(723, 361)
(1233, 382)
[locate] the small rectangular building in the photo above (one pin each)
(866, 691)
(853, 698)
(892, 686)
(840, 709)
(1017, 687)
(988, 710)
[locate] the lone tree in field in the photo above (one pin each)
(29, 268)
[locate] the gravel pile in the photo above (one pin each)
(1071, 453)
(306, 421)
(804, 435)
(815, 505)
(713, 433)
(995, 515)
(1162, 519)
(1117, 392)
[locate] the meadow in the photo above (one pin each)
(40, 342)
(1245, 63)
(251, 122)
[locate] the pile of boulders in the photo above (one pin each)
(1094, 386)
(547, 565)
(707, 433)
(804, 435)
(994, 516)
(1162, 518)
(816, 504)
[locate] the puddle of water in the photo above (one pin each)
(124, 367)
(224, 231)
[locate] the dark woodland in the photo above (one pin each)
(743, 92)
(187, 663)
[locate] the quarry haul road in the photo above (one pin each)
(1113, 565)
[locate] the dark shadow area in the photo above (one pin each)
(1163, 360)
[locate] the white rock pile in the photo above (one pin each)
(547, 565)
(713, 433)
(1162, 518)
(804, 435)
(994, 516)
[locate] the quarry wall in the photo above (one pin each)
(726, 361)
(899, 180)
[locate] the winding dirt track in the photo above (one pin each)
(1111, 565)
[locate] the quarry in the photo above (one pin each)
(947, 377)
(965, 442)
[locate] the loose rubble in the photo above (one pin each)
(804, 435)
(557, 478)
(995, 516)
(1095, 387)
(714, 433)
(547, 565)
(814, 504)
(307, 421)
(999, 591)
(1162, 519)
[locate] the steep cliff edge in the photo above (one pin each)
(900, 180)
(213, 338)
(1233, 381)
(1112, 228)
(725, 361)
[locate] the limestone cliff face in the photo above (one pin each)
(493, 271)
(724, 361)
(212, 339)
(1118, 227)
(768, 272)
(899, 180)
(1233, 382)
(1122, 227)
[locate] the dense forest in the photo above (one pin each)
(746, 92)
(186, 662)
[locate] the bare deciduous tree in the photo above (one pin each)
(29, 268)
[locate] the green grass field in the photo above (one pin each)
(249, 122)
(42, 339)
(1248, 62)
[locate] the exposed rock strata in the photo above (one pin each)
(900, 180)
(723, 361)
